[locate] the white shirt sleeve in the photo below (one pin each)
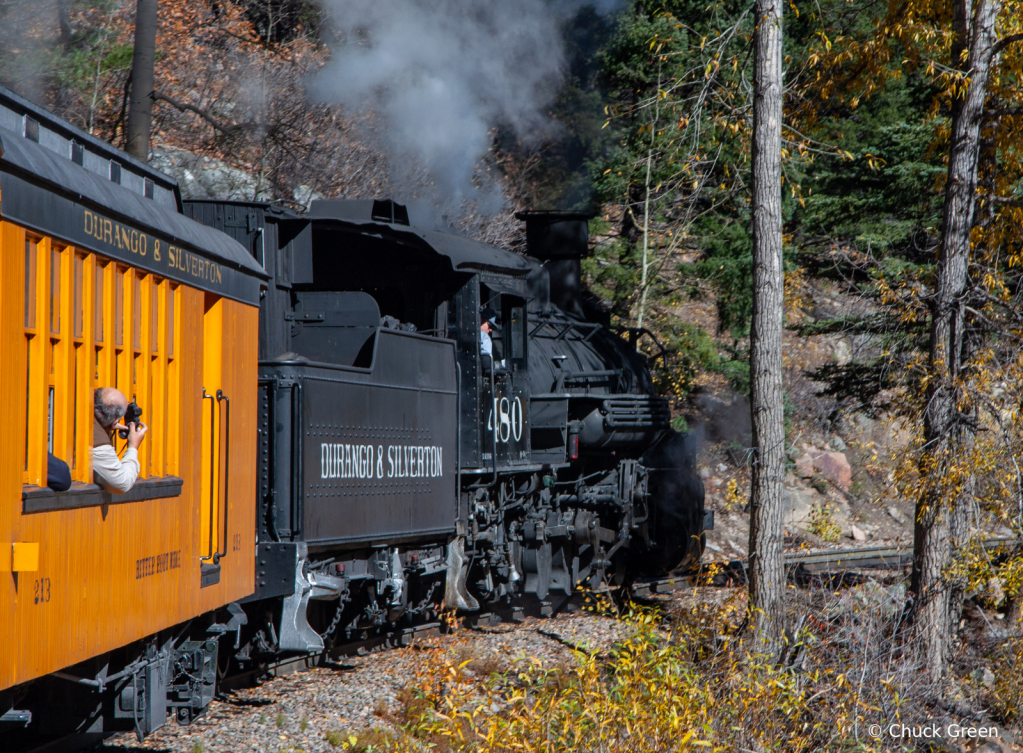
(116, 475)
(486, 346)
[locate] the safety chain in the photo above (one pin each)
(342, 600)
(425, 602)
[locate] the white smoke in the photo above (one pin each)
(442, 74)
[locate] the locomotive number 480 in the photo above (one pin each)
(509, 418)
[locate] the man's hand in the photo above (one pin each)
(135, 433)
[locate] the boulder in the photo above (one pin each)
(984, 676)
(834, 467)
(804, 466)
(895, 515)
(841, 352)
(857, 534)
(798, 506)
(201, 177)
(305, 196)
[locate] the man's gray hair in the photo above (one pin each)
(106, 413)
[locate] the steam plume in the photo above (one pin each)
(442, 73)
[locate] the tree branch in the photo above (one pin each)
(1002, 112)
(1004, 42)
(1000, 199)
(230, 129)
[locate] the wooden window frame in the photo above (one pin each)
(68, 358)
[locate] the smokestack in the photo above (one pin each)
(560, 240)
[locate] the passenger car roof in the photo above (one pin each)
(45, 191)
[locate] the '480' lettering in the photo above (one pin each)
(509, 419)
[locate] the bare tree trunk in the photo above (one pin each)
(140, 108)
(943, 505)
(766, 568)
(643, 287)
(64, 23)
(1014, 615)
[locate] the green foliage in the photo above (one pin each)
(863, 202)
(690, 349)
(823, 524)
(79, 67)
(727, 266)
(737, 373)
(612, 272)
(885, 200)
(562, 177)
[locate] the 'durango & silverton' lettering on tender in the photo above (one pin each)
(366, 461)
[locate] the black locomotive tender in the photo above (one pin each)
(400, 468)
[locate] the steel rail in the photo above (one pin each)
(833, 561)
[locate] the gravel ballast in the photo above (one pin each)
(298, 710)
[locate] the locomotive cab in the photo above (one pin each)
(494, 391)
(503, 384)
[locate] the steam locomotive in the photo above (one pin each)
(331, 456)
(397, 460)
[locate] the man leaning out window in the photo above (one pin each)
(115, 475)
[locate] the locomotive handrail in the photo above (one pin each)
(569, 325)
(271, 450)
(296, 458)
(458, 442)
(635, 333)
(493, 429)
(213, 449)
(227, 472)
(578, 376)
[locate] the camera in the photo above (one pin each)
(132, 414)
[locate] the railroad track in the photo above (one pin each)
(833, 562)
(286, 666)
(805, 564)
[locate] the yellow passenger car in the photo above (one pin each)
(107, 601)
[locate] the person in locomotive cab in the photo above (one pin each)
(488, 323)
(115, 475)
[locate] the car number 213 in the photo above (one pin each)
(42, 590)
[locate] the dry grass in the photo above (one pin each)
(1007, 694)
(361, 741)
(686, 680)
(470, 659)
